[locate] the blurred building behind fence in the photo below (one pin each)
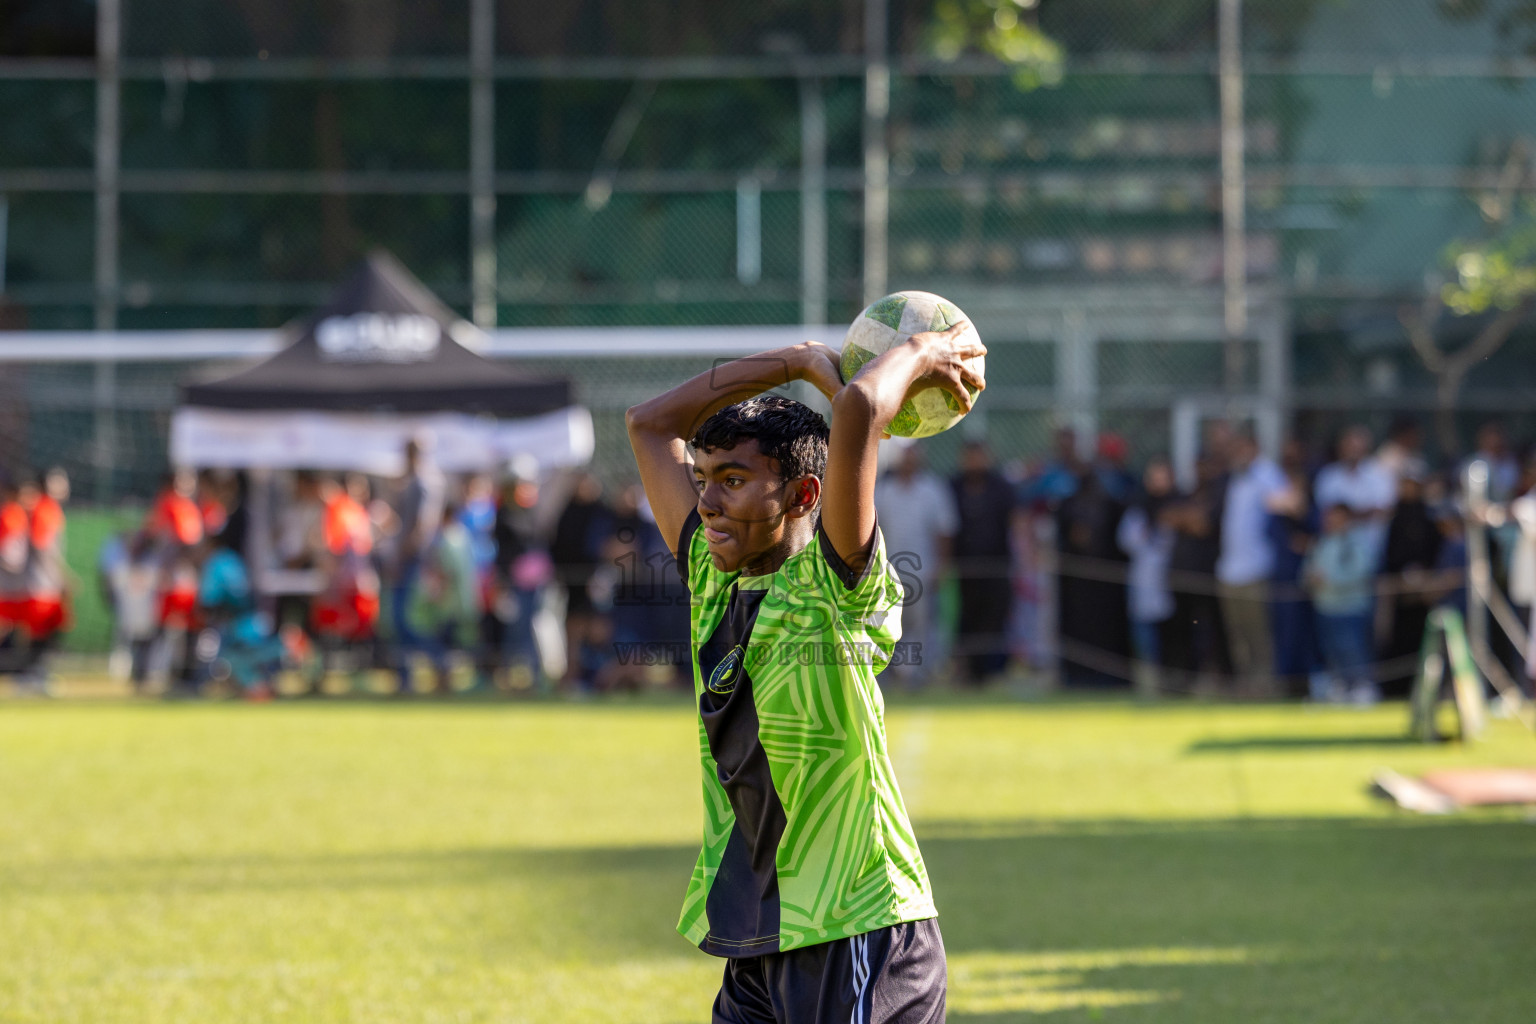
(179, 164)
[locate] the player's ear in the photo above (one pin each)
(804, 496)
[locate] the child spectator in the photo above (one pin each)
(1148, 541)
(238, 645)
(444, 609)
(478, 514)
(523, 567)
(130, 579)
(1340, 571)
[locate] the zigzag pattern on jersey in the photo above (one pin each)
(825, 782)
(848, 862)
(718, 819)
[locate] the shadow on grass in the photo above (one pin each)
(1198, 921)
(939, 697)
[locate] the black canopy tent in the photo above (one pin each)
(385, 362)
(382, 362)
(384, 343)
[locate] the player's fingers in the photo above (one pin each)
(827, 380)
(956, 386)
(970, 348)
(971, 378)
(826, 351)
(824, 374)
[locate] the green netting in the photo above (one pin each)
(1378, 132)
(380, 126)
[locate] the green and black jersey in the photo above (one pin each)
(806, 839)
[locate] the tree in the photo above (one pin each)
(1495, 278)
(1005, 29)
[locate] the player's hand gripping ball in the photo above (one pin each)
(889, 322)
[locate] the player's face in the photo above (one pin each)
(746, 506)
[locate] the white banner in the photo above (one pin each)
(205, 438)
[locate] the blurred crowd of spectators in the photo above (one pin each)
(439, 584)
(1254, 577)
(1257, 578)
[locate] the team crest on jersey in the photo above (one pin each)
(728, 673)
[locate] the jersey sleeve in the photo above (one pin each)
(870, 597)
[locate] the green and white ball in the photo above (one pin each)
(891, 321)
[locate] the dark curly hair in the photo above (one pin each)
(785, 430)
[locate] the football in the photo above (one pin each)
(891, 321)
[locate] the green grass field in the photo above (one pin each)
(376, 863)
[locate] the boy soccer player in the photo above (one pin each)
(810, 881)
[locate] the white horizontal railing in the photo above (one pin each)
(530, 342)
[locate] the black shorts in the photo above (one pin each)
(893, 975)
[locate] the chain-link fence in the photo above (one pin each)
(706, 164)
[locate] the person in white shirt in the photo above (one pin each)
(1360, 483)
(1503, 467)
(1244, 566)
(1402, 453)
(917, 516)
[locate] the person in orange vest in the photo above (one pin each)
(15, 551)
(175, 526)
(174, 519)
(47, 601)
(347, 612)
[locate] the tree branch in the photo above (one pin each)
(1489, 339)
(1502, 201)
(1419, 323)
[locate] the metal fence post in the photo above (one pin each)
(749, 230)
(877, 163)
(108, 138)
(5, 220)
(1077, 380)
(813, 202)
(1274, 337)
(1234, 259)
(482, 161)
(1479, 574)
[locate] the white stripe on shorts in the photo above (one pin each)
(858, 951)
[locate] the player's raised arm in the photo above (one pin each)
(863, 410)
(660, 428)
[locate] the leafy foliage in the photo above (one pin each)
(1001, 28)
(1499, 273)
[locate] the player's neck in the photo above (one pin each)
(765, 563)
